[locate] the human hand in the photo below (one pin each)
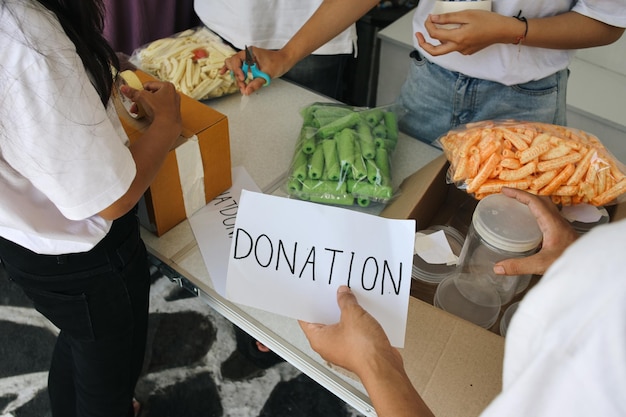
(478, 30)
(558, 234)
(159, 100)
(273, 63)
(355, 341)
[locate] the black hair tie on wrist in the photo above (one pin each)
(520, 39)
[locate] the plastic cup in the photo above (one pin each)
(506, 318)
(457, 6)
(469, 297)
(427, 276)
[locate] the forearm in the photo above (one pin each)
(569, 30)
(329, 20)
(390, 389)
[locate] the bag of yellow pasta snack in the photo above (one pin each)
(191, 60)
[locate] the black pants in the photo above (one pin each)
(99, 301)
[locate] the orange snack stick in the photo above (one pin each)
(515, 139)
(533, 152)
(543, 179)
(556, 151)
(483, 173)
(493, 145)
(520, 173)
(495, 186)
(473, 162)
(567, 190)
(510, 163)
(540, 138)
(610, 194)
(559, 162)
(561, 178)
(582, 167)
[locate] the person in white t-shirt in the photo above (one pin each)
(69, 181)
(270, 24)
(565, 349)
(508, 63)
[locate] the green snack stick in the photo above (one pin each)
(338, 125)
(307, 139)
(379, 131)
(324, 120)
(390, 145)
(294, 186)
(316, 164)
(368, 147)
(359, 169)
(307, 116)
(350, 185)
(331, 161)
(365, 189)
(346, 200)
(299, 166)
(315, 187)
(373, 172)
(363, 202)
(382, 162)
(391, 123)
(321, 111)
(345, 147)
(373, 116)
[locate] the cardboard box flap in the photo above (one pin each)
(456, 366)
(414, 188)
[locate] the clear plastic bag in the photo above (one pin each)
(343, 155)
(569, 165)
(191, 60)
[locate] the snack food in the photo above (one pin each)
(569, 165)
(191, 60)
(343, 155)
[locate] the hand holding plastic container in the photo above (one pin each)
(501, 228)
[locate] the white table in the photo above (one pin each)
(263, 134)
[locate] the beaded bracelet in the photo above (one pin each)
(520, 39)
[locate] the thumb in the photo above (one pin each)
(345, 297)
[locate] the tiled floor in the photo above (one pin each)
(188, 343)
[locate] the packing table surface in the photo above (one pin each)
(263, 132)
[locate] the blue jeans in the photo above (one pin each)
(438, 100)
(99, 301)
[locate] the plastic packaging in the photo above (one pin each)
(343, 155)
(191, 60)
(501, 228)
(569, 165)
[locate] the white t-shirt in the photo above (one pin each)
(63, 155)
(565, 351)
(267, 24)
(517, 64)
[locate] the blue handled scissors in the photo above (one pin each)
(249, 64)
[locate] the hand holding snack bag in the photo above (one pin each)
(569, 165)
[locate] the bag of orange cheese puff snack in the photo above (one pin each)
(569, 165)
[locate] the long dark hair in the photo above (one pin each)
(83, 22)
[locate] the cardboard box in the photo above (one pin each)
(164, 201)
(454, 364)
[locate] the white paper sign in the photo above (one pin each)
(213, 227)
(289, 256)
